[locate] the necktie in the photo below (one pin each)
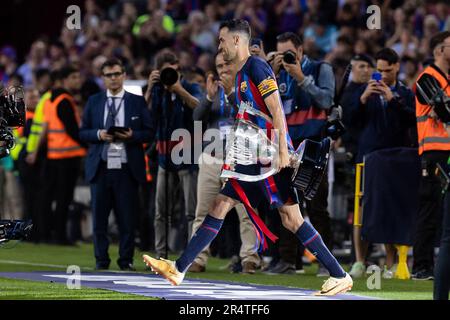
(110, 119)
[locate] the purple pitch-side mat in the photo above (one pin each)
(154, 286)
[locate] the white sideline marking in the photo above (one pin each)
(24, 263)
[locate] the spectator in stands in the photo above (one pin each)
(8, 64)
(256, 16)
(201, 36)
(323, 35)
(155, 28)
(289, 15)
(171, 108)
(37, 59)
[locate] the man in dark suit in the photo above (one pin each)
(115, 163)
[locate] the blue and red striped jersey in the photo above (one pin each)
(254, 82)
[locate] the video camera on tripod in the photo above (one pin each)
(438, 100)
(12, 114)
(335, 127)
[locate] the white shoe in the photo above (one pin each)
(335, 286)
(358, 269)
(389, 273)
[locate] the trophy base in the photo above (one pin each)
(310, 167)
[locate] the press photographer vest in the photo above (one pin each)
(431, 133)
(60, 144)
(303, 118)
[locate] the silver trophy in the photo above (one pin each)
(248, 144)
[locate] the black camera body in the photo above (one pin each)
(12, 114)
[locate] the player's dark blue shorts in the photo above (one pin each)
(277, 189)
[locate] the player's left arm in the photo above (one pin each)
(273, 103)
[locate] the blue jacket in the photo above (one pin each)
(137, 117)
(306, 106)
(170, 113)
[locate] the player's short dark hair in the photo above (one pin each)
(292, 37)
(165, 56)
(67, 71)
(237, 25)
(438, 39)
(111, 63)
(387, 54)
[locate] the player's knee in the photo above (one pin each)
(220, 207)
(290, 222)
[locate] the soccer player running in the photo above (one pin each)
(256, 84)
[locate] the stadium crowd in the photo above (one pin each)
(64, 79)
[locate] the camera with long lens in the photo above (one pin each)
(12, 114)
(15, 230)
(168, 76)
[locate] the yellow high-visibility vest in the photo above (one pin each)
(37, 124)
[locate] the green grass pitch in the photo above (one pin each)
(27, 257)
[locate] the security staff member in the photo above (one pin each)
(64, 151)
(434, 147)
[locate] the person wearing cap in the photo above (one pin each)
(8, 62)
(362, 67)
(385, 113)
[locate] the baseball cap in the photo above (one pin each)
(8, 51)
(365, 58)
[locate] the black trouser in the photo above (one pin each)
(59, 185)
(116, 190)
(429, 212)
(442, 269)
(30, 177)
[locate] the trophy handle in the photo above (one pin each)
(247, 178)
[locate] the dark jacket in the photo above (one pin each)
(387, 125)
(137, 117)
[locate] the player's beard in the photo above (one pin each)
(230, 56)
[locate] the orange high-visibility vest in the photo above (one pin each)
(432, 134)
(59, 144)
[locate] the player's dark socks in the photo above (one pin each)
(204, 235)
(312, 240)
